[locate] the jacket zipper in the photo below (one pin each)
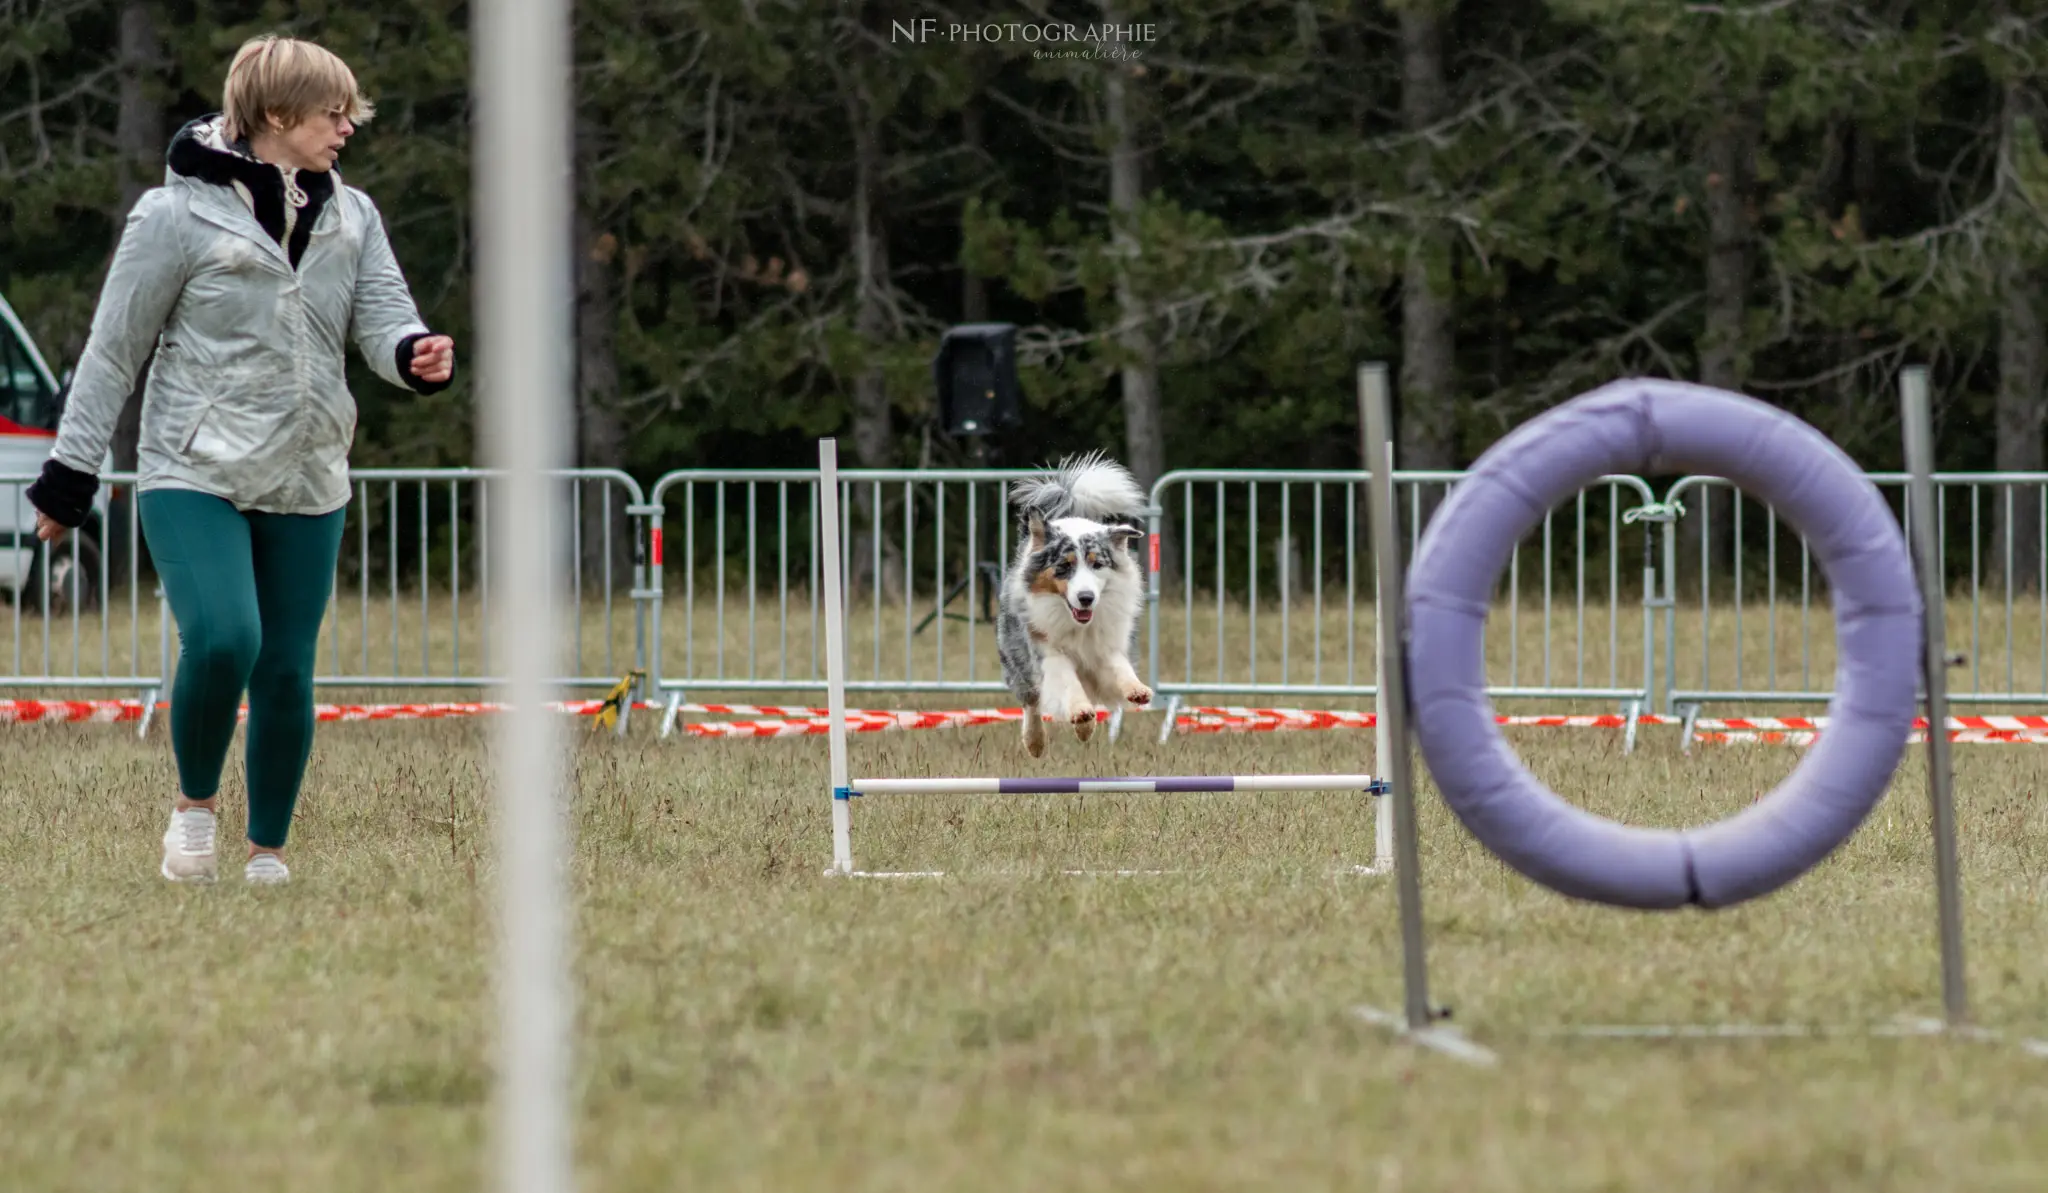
(294, 199)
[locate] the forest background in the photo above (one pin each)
(1201, 225)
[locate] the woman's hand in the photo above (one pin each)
(48, 529)
(433, 358)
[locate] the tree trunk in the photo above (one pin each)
(1425, 393)
(600, 431)
(139, 139)
(1428, 349)
(2020, 416)
(1144, 430)
(1730, 159)
(2020, 413)
(1144, 435)
(873, 437)
(973, 137)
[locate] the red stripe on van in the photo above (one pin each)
(9, 427)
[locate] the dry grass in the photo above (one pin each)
(746, 1023)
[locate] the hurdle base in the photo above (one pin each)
(835, 872)
(1438, 1037)
(1902, 1027)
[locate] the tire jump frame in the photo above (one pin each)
(846, 790)
(1886, 625)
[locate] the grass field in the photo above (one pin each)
(746, 1023)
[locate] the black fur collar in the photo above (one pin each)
(201, 150)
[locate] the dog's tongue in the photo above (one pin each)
(1084, 615)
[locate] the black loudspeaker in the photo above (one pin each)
(976, 375)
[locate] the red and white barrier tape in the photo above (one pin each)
(1269, 719)
(109, 711)
(2034, 724)
(857, 721)
(770, 720)
(1807, 737)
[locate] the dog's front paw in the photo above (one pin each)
(1138, 694)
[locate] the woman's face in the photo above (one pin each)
(315, 143)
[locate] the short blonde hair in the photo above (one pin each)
(288, 80)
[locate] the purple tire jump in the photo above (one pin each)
(1662, 427)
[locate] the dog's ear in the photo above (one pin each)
(1035, 527)
(1126, 536)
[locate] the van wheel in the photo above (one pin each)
(78, 556)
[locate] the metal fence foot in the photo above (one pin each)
(669, 714)
(1166, 724)
(149, 699)
(1634, 711)
(1689, 715)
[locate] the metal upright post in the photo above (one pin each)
(1393, 698)
(1919, 429)
(835, 655)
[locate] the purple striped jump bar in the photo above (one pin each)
(1053, 786)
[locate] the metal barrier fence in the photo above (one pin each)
(735, 549)
(1260, 585)
(1307, 531)
(415, 576)
(80, 615)
(410, 607)
(736, 570)
(1752, 622)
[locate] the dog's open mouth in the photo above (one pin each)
(1084, 616)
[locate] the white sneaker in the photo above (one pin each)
(266, 868)
(188, 847)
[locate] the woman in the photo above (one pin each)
(246, 273)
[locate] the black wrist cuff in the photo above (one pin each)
(64, 493)
(419, 384)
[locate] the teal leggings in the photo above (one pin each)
(249, 591)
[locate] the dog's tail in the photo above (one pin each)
(1090, 486)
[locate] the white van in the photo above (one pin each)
(30, 401)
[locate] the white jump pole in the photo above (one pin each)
(1142, 784)
(1374, 389)
(835, 653)
(523, 210)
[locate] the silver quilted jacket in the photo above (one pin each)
(247, 399)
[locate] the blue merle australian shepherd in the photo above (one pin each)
(1067, 612)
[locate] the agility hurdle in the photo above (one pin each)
(1887, 600)
(845, 790)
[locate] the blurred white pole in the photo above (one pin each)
(523, 205)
